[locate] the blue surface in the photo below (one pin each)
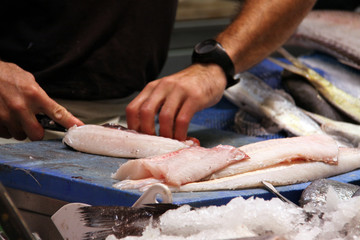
(49, 168)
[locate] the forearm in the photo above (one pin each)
(260, 28)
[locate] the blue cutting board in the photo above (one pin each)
(49, 168)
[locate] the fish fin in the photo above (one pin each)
(289, 67)
(349, 63)
(121, 221)
(248, 125)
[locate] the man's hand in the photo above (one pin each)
(20, 99)
(176, 98)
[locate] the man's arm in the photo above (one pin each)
(20, 99)
(260, 28)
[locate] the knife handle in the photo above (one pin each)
(48, 123)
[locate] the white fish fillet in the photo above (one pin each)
(285, 174)
(182, 166)
(106, 141)
(262, 154)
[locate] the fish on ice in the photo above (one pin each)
(316, 193)
(182, 166)
(107, 141)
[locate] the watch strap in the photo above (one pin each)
(218, 56)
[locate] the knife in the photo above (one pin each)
(48, 123)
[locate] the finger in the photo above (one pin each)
(59, 114)
(31, 126)
(4, 133)
(133, 108)
(9, 121)
(183, 119)
(15, 130)
(168, 113)
(148, 110)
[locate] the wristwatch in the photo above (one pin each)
(211, 51)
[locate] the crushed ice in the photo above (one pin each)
(337, 219)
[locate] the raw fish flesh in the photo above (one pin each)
(271, 152)
(282, 174)
(256, 97)
(107, 141)
(182, 166)
(334, 32)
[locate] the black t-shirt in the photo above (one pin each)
(87, 49)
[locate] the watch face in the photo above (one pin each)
(205, 46)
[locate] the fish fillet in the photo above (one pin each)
(284, 174)
(182, 166)
(271, 152)
(107, 141)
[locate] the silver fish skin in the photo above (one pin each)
(255, 96)
(96, 139)
(283, 174)
(344, 132)
(340, 99)
(334, 32)
(316, 192)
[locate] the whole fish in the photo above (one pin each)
(101, 140)
(342, 131)
(271, 152)
(345, 102)
(308, 98)
(121, 221)
(255, 96)
(340, 75)
(316, 192)
(282, 174)
(334, 32)
(182, 166)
